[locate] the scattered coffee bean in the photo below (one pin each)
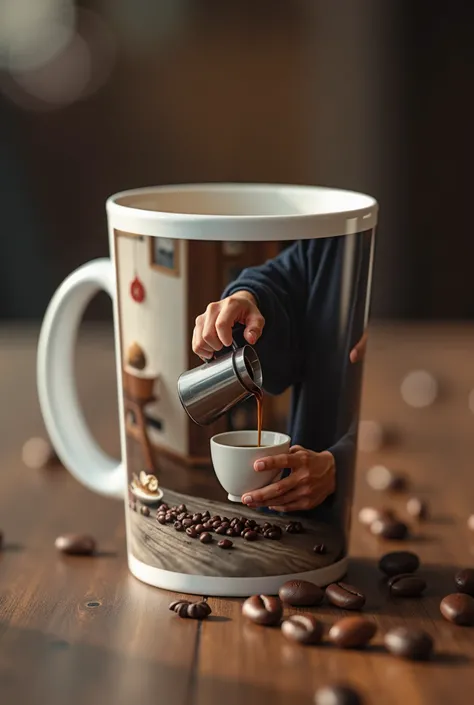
(464, 580)
(178, 526)
(173, 516)
(216, 517)
(145, 510)
(197, 517)
(208, 526)
(192, 533)
(398, 562)
(320, 548)
(409, 643)
(225, 525)
(262, 609)
(187, 523)
(272, 534)
(220, 530)
(205, 537)
(470, 523)
(206, 515)
(352, 632)
(239, 528)
(383, 479)
(163, 507)
(250, 523)
(76, 544)
(294, 527)
(267, 526)
(191, 610)
(406, 585)
(337, 695)
(367, 515)
(181, 516)
(303, 628)
(161, 518)
(251, 535)
(216, 524)
(169, 519)
(38, 453)
(458, 608)
(301, 593)
(417, 508)
(231, 532)
(182, 508)
(390, 529)
(227, 520)
(345, 596)
(225, 543)
(199, 528)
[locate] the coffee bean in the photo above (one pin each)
(406, 585)
(187, 523)
(205, 538)
(225, 543)
(320, 548)
(352, 632)
(170, 518)
(337, 695)
(301, 593)
(191, 610)
(216, 524)
(197, 517)
(225, 525)
(345, 596)
(208, 526)
(163, 507)
(251, 535)
(239, 527)
(216, 517)
(303, 628)
(145, 511)
(76, 544)
(226, 519)
(180, 607)
(294, 527)
(390, 529)
(367, 515)
(200, 528)
(231, 532)
(267, 525)
(181, 516)
(398, 562)
(206, 515)
(464, 580)
(234, 521)
(173, 516)
(38, 453)
(178, 526)
(250, 523)
(182, 508)
(161, 518)
(192, 533)
(382, 479)
(458, 608)
(272, 534)
(417, 508)
(221, 529)
(409, 643)
(262, 609)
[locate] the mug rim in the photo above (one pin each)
(321, 211)
(215, 439)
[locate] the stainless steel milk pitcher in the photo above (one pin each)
(208, 391)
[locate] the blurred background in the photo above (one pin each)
(103, 95)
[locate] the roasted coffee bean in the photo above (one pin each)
(197, 517)
(205, 537)
(181, 516)
(417, 508)
(267, 525)
(199, 528)
(319, 548)
(216, 524)
(163, 507)
(182, 508)
(233, 522)
(231, 532)
(398, 562)
(221, 529)
(173, 516)
(352, 632)
(170, 518)
(367, 515)
(390, 529)
(191, 610)
(272, 535)
(409, 643)
(383, 479)
(239, 527)
(145, 510)
(178, 526)
(303, 628)
(262, 609)
(216, 517)
(161, 518)
(406, 585)
(250, 523)
(225, 525)
(206, 515)
(251, 535)
(226, 519)
(187, 523)
(301, 593)
(464, 580)
(208, 526)
(458, 608)
(225, 543)
(294, 527)
(76, 544)
(192, 533)
(345, 596)
(337, 695)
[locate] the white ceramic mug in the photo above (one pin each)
(155, 235)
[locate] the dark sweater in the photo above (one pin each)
(313, 298)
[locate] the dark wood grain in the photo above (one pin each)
(84, 630)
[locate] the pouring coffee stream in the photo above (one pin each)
(210, 390)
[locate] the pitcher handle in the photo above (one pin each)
(210, 359)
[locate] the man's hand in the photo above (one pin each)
(312, 479)
(213, 329)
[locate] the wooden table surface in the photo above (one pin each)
(85, 631)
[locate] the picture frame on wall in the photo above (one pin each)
(164, 255)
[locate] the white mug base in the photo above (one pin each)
(231, 587)
(234, 498)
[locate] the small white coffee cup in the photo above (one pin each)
(234, 454)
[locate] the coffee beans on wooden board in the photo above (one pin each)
(337, 695)
(145, 510)
(76, 544)
(345, 596)
(398, 562)
(464, 580)
(352, 632)
(38, 453)
(294, 527)
(406, 585)
(263, 609)
(409, 643)
(303, 628)
(301, 593)
(390, 529)
(225, 543)
(383, 479)
(417, 508)
(205, 537)
(191, 610)
(458, 608)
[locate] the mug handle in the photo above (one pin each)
(210, 359)
(57, 391)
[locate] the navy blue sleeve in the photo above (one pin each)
(280, 287)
